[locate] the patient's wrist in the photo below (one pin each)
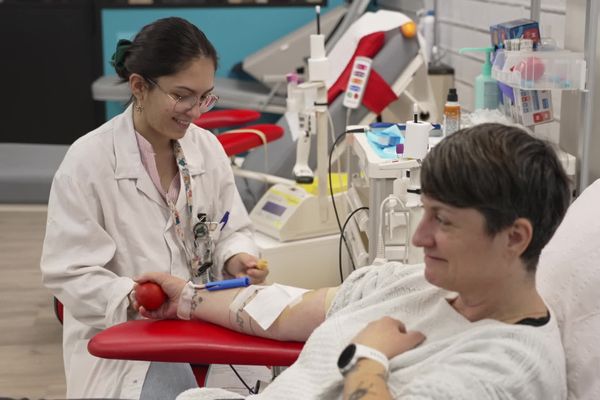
(370, 367)
(186, 305)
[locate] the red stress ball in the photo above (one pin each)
(150, 295)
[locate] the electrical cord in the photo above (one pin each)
(332, 131)
(335, 143)
(242, 380)
(340, 243)
(337, 217)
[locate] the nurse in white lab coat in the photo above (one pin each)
(128, 198)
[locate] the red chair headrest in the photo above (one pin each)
(225, 118)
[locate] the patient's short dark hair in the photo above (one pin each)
(505, 174)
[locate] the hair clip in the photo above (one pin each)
(118, 57)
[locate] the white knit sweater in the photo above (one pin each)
(458, 360)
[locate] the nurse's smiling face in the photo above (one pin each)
(166, 114)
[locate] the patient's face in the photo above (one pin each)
(459, 253)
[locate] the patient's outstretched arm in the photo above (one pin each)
(296, 321)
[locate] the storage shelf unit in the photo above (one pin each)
(540, 70)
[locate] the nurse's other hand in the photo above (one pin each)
(243, 264)
(389, 336)
(171, 285)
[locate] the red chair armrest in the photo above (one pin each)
(58, 310)
(223, 118)
(240, 142)
(195, 342)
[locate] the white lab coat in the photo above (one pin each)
(107, 223)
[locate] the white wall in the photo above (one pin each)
(573, 113)
(465, 23)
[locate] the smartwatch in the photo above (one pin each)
(354, 352)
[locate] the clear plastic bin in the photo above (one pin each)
(540, 70)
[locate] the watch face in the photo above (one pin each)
(346, 356)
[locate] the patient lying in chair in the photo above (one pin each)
(469, 323)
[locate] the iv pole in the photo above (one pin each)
(592, 15)
(318, 70)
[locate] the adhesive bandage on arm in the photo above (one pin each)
(270, 302)
(264, 304)
(240, 301)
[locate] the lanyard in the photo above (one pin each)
(199, 267)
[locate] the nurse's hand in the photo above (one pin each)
(171, 285)
(389, 336)
(243, 264)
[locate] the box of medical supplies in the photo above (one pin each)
(527, 107)
(516, 29)
(533, 107)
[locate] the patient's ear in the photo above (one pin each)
(520, 234)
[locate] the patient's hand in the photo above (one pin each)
(171, 285)
(389, 336)
(243, 264)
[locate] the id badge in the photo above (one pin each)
(204, 252)
(203, 246)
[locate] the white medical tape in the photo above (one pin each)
(238, 302)
(184, 307)
(267, 305)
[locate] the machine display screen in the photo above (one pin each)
(274, 208)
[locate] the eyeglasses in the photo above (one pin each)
(186, 103)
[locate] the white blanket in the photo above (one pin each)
(568, 278)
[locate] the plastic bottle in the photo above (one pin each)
(451, 113)
(487, 93)
(426, 28)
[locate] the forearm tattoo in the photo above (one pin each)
(238, 314)
(360, 392)
(357, 367)
(251, 327)
(363, 390)
(196, 300)
(240, 323)
(382, 376)
(239, 320)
